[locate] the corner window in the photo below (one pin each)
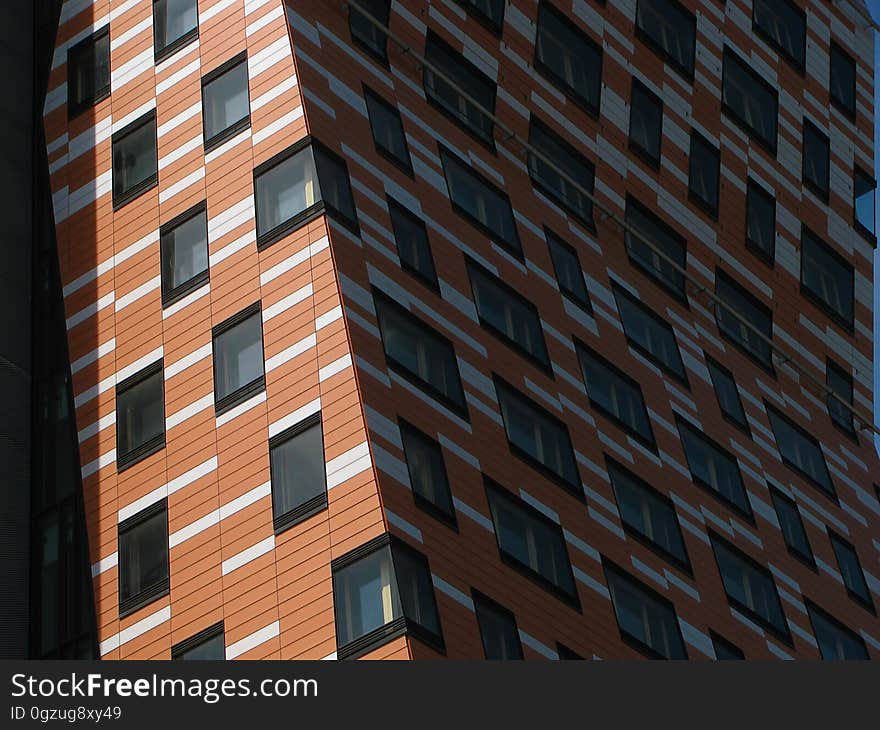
(836, 641)
(539, 437)
(645, 123)
(419, 353)
(864, 190)
(364, 33)
(800, 451)
(568, 57)
(705, 174)
(827, 278)
(728, 394)
(671, 30)
(531, 542)
(88, 72)
(569, 274)
(566, 158)
(760, 221)
(784, 25)
(140, 415)
(387, 129)
(734, 329)
(749, 100)
(851, 571)
(645, 618)
(143, 558)
(505, 313)
(663, 239)
(184, 252)
(427, 473)
(842, 80)
(841, 384)
(498, 631)
(490, 12)
(226, 101)
(816, 160)
(175, 23)
(792, 526)
(135, 161)
(205, 645)
(298, 473)
(382, 590)
(725, 650)
(238, 359)
(413, 248)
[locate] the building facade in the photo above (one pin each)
(471, 328)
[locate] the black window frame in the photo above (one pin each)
(161, 52)
(700, 145)
(798, 63)
(170, 295)
(493, 25)
(838, 543)
(820, 613)
(777, 498)
(218, 138)
(74, 109)
(482, 602)
(435, 510)
(380, 55)
(820, 188)
(160, 588)
(656, 275)
(838, 103)
(732, 650)
(773, 411)
(833, 369)
(154, 444)
(758, 190)
(713, 366)
(372, 96)
(840, 318)
(647, 96)
(754, 302)
(554, 239)
(656, 46)
(138, 189)
(869, 234)
(246, 390)
(768, 144)
(395, 207)
(179, 650)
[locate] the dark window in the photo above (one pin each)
(645, 618)
(382, 590)
(842, 80)
(663, 239)
(835, 640)
(568, 57)
(647, 514)
(569, 274)
(725, 650)
(864, 187)
(705, 174)
(800, 451)
(427, 473)
(713, 468)
(508, 315)
(851, 570)
(816, 160)
(489, 12)
(205, 645)
(750, 587)
(88, 72)
(734, 329)
(616, 395)
(760, 221)
(645, 123)
(727, 394)
(184, 245)
(792, 526)
(464, 75)
(140, 415)
(420, 353)
(543, 439)
(566, 654)
(175, 22)
(566, 158)
(827, 278)
(649, 333)
(238, 358)
(784, 25)
(841, 384)
(670, 29)
(143, 558)
(498, 631)
(411, 237)
(387, 128)
(532, 542)
(299, 481)
(135, 161)
(481, 202)
(226, 106)
(364, 33)
(750, 100)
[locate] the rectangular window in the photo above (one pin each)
(387, 129)
(750, 588)
(135, 161)
(816, 160)
(616, 395)
(842, 80)
(140, 415)
(851, 570)
(784, 25)
(728, 394)
(713, 468)
(644, 617)
(749, 100)
(827, 278)
(645, 123)
(498, 631)
(841, 384)
(427, 473)
(566, 158)
(568, 57)
(419, 353)
(747, 306)
(299, 479)
(413, 248)
(836, 641)
(649, 333)
(489, 12)
(505, 313)
(463, 75)
(365, 33)
(143, 558)
(864, 188)
(226, 108)
(792, 526)
(208, 644)
(539, 437)
(760, 221)
(663, 239)
(531, 542)
(238, 358)
(175, 23)
(184, 251)
(671, 30)
(88, 72)
(705, 174)
(725, 650)
(800, 451)
(569, 274)
(648, 515)
(382, 590)
(481, 202)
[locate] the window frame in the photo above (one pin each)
(632, 144)
(656, 275)
(768, 257)
(198, 639)
(769, 145)
(154, 444)
(162, 52)
(838, 541)
(772, 410)
(247, 390)
(135, 191)
(654, 45)
(162, 587)
(493, 26)
(821, 189)
(766, 365)
(432, 282)
(586, 305)
(850, 114)
(698, 140)
(813, 609)
(797, 64)
(423, 503)
(218, 138)
(491, 604)
(777, 494)
(75, 109)
(713, 364)
(373, 96)
(726, 645)
(175, 294)
(833, 367)
(377, 55)
(866, 233)
(816, 298)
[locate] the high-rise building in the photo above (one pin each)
(465, 328)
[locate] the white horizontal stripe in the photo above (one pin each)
(91, 138)
(301, 256)
(102, 461)
(136, 114)
(175, 485)
(130, 70)
(231, 218)
(141, 503)
(93, 356)
(267, 57)
(123, 38)
(187, 361)
(136, 247)
(56, 144)
(94, 391)
(287, 302)
(352, 462)
(288, 353)
(194, 528)
(105, 564)
(222, 420)
(132, 632)
(327, 318)
(231, 248)
(90, 192)
(273, 93)
(293, 418)
(139, 364)
(248, 555)
(194, 144)
(277, 126)
(123, 8)
(246, 499)
(95, 428)
(175, 419)
(181, 185)
(263, 21)
(172, 79)
(176, 121)
(335, 367)
(215, 9)
(191, 49)
(92, 309)
(135, 294)
(227, 145)
(190, 298)
(253, 640)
